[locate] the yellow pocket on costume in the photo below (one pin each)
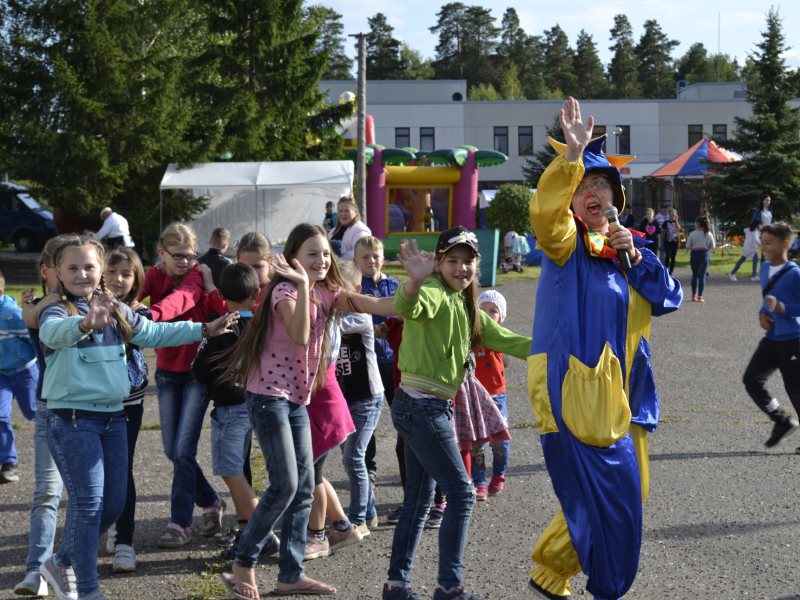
(538, 395)
(593, 402)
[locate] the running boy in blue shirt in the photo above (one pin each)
(780, 317)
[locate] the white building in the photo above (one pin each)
(435, 114)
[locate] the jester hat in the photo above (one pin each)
(597, 161)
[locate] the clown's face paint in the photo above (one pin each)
(591, 198)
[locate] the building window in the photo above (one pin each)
(695, 134)
(525, 141)
(427, 139)
(501, 139)
(402, 137)
(720, 131)
(622, 139)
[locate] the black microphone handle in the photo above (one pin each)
(624, 259)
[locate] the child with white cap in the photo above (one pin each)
(490, 371)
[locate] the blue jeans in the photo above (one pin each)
(742, 260)
(21, 385)
(46, 495)
(126, 521)
(432, 456)
(699, 262)
(499, 450)
(284, 434)
(182, 404)
(90, 451)
(366, 414)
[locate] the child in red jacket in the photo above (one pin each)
(175, 288)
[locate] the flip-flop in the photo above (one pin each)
(236, 585)
(306, 587)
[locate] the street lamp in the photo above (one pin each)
(616, 132)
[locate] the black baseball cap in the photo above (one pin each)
(456, 236)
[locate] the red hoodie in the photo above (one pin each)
(186, 303)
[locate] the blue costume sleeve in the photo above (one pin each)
(653, 281)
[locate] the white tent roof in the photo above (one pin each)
(259, 174)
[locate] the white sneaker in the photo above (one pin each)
(732, 276)
(111, 538)
(124, 559)
(755, 278)
(33, 585)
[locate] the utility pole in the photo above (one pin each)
(361, 162)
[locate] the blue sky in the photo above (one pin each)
(733, 26)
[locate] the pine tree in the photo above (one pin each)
(769, 140)
(534, 167)
(559, 62)
(384, 59)
(331, 41)
(588, 68)
(694, 66)
(265, 82)
(531, 72)
(100, 106)
(654, 51)
(467, 43)
(623, 70)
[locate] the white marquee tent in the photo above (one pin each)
(269, 197)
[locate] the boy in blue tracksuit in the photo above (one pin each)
(19, 372)
(780, 317)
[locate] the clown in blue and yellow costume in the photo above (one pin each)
(590, 379)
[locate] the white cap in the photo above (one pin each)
(106, 211)
(495, 298)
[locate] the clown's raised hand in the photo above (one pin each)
(576, 134)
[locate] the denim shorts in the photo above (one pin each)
(231, 432)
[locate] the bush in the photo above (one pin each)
(509, 209)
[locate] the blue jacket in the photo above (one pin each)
(16, 349)
(90, 372)
(385, 288)
(785, 325)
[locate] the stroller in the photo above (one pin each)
(515, 246)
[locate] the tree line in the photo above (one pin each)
(98, 96)
(504, 62)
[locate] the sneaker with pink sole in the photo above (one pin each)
(480, 493)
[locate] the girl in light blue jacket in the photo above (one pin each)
(83, 338)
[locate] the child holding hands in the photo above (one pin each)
(83, 338)
(278, 361)
(442, 322)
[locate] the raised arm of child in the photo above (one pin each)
(295, 314)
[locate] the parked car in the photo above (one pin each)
(23, 221)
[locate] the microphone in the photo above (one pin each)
(613, 224)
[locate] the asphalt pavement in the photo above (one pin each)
(721, 522)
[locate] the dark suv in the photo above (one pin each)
(23, 221)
